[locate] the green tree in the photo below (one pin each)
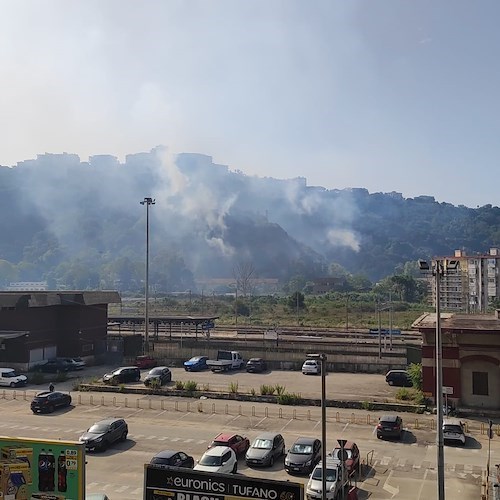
(415, 372)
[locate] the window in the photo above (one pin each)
(480, 383)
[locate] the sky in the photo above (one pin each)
(389, 95)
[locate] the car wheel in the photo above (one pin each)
(123, 436)
(379, 436)
(12, 384)
(235, 468)
(390, 382)
(137, 379)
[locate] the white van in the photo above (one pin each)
(10, 378)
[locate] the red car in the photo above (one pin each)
(145, 362)
(351, 456)
(239, 444)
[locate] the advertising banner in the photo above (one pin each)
(176, 483)
(37, 469)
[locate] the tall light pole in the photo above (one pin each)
(439, 267)
(147, 202)
(322, 358)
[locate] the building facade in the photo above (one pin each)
(471, 358)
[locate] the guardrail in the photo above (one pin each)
(158, 403)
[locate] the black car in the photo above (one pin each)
(302, 457)
(55, 366)
(265, 449)
(175, 458)
(400, 378)
(160, 375)
(104, 433)
(256, 365)
(123, 374)
(47, 402)
(390, 426)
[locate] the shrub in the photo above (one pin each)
(367, 405)
(76, 386)
(61, 377)
(179, 385)
(415, 373)
(36, 378)
(190, 386)
(289, 399)
(206, 387)
(267, 389)
(280, 389)
(155, 384)
(121, 387)
(403, 394)
(253, 392)
(233, 387)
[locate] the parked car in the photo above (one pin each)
(55, 365)
(226, 360)
(122, 375)
(196, 364)
(304, 454)
(390, 426)
(311, 367)
(145, 361)
(161, 374)
(256, 365)
(48, 402)
(265, 449)
(73, 364)
(351, 456)
(104, 433)
(335, 480)
(400, 378)
(239, 444)
(10, 378)
(218, 459)
(172, 457)
(80, 363)
(453, 431)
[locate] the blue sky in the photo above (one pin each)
(389, 95)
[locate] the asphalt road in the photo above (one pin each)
(402, 470)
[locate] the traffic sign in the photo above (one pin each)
(448, 390)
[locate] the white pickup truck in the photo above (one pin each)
(226, 360)
(10, 378)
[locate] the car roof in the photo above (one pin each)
(125, 368)
(159, 368)
(255, 359)
(218, 451)
(44, 394)
(224, 436)
(349, 445)
(305, 440)
(388, 418)
(268, 435)
(330, 461)
(397, 371)
(452, 421)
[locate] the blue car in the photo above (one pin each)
(196, 363)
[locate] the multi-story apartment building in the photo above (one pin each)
(470, 283)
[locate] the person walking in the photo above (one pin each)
(51, 387)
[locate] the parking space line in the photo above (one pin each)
(286, 425)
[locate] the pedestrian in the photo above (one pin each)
(51, 387)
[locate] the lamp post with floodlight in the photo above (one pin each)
(322, 358)
(147, 202)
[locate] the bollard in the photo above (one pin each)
(14, 395)
(466, 427)
(126, 402)
(150, 404)
(114, 400)
(308, 414)
(253, 411)
(188, 407)
(482, 428)
(353, 418)
(162, 404)
(91, 399)
(280, 412)
(200, 407)
(213, 408)
(337, 417)
(24, 395)
(266, 412)
(137, 405)
(176, 406)
(226, 410)
(3, 394)
(79, 399)
(239, 410)
(102, 401)
(498, 430)
(416, 424)
(294, 414)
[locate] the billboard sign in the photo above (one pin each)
(176, 483)
(37, 469)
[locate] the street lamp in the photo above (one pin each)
(439, 267)
(322, 358)
(147, 202)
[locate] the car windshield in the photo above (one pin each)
(452, 428)
(336, 452)
(331, 474)
(195, 359)
(78, 360)
(211, 460)
(156, 371)
(310, 363)
(10, 374)
(99, 428)
(262, 444)
(301, 449)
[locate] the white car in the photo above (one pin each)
(453, 431)
(10, 378)
(218, 459)
(334, 480)
(311, 367)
